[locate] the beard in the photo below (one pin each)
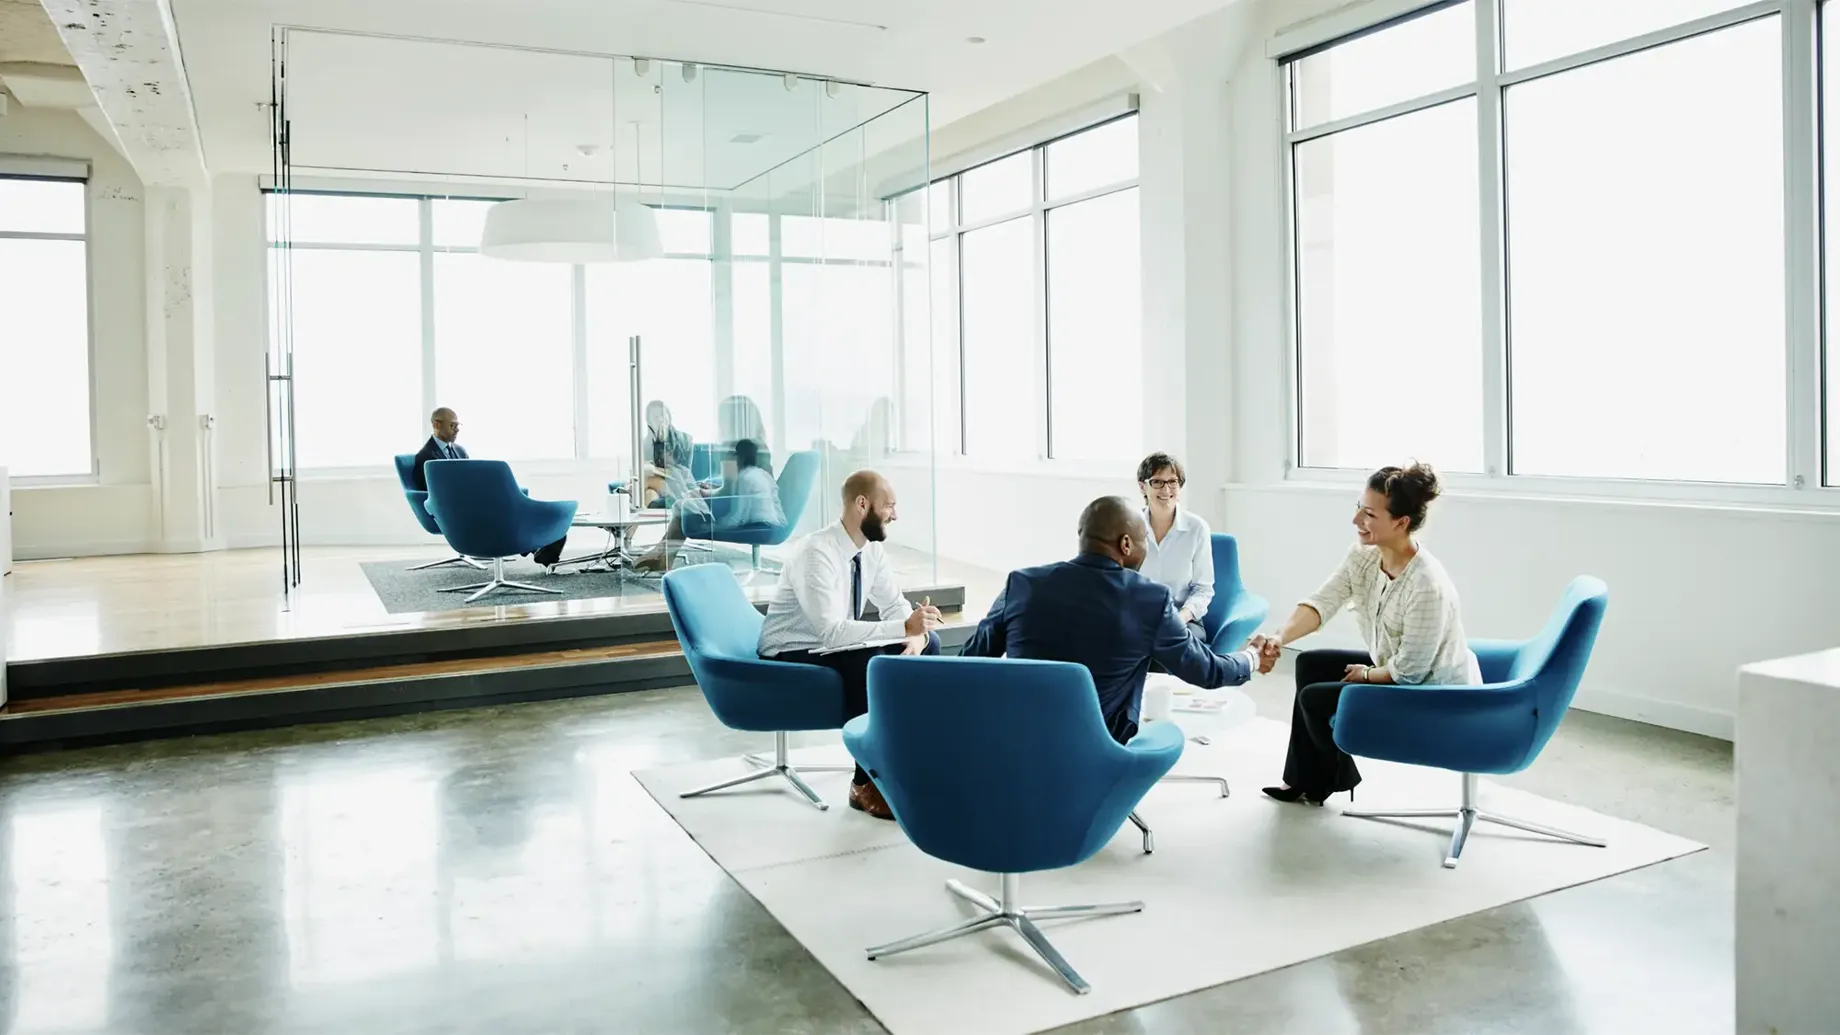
(872, 527)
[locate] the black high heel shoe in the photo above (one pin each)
(1293, 794)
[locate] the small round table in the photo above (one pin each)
(616, 556)
(1202, 715)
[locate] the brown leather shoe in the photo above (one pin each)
(864, 797)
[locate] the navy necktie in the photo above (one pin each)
(856, 587)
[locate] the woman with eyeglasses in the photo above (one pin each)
(1180, 553)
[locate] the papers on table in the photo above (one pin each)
(863, 645)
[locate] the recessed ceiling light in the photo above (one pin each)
(974, 39)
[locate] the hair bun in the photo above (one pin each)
(1422, 480)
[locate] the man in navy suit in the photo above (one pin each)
(1098, 611)
(440, 446)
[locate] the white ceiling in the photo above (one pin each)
(27, 34)
(374, 104)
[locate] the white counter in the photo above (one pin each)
(1788, 879)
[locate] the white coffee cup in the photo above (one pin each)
(1159, 700)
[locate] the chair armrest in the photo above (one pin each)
(1156, 747)
(1237, 622)
(753, 694)
(1496, 657)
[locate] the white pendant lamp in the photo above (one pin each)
(587, 229)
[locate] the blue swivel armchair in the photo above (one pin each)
(1498, 727)
(795, 487)
(1036, 783)
(1234, 614)
(405, 473)
(719, 631)
(482, 513)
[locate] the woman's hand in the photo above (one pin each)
(1355, 674)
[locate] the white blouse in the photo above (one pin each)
(1183, 561)
(1412, 624)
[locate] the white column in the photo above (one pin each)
(1788, 901)
(181, 366)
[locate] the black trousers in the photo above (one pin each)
(1315, 765)
(853, 666)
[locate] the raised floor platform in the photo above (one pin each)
(125, 647)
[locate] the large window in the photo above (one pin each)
(44, 329)
(1037, 318)
(1579, 266)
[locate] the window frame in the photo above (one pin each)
(1807, 411)
(953, 228)
(92, 476)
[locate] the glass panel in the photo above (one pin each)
(1541, 30)
(1096, 331)
(839, 338)
(504, 355)
(817, 237)
(753, 350)
(939, 199)
(748, 232)
(347, 219)
(1388, 292)
(1830, 135)
(667, 303)
(948, 388)
(357, 322)
(44, 357)
(1414, 58)
(1646, 284)
(997, 285)
(1004, 186)
(42, 206)
(684, 230)
(1099, 157)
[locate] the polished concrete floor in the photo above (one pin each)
(499, 871)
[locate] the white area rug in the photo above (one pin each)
(1236, 886)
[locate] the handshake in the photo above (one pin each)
(1268, 649)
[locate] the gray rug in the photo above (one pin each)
(416, 592)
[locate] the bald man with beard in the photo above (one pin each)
(833, 578)
(1098, 611)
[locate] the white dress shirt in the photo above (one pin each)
(1183, 561)
(811, 608)
(1412, 624)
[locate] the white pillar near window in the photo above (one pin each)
(181, 365)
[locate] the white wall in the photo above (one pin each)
(114, 515)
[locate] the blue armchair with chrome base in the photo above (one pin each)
(483, 513)
(1035, 783)
(716, 524)
(1234, 614)
(405, 473)
(1498, 727)
(719, 631)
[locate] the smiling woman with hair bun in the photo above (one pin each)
(1410, 620)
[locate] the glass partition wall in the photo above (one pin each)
(781, 322)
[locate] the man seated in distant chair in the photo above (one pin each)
(1098, 611)
(443, 445)
(833, 577)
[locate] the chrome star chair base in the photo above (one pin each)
(1467, 815)
(455, 559)
(498, 582)
(1144, 828)
(1009, 912)
(778, 765)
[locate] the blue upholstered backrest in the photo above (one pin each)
(1227, 587)
(1554, 661)
(1000, 764)
(711, 614)
(405, 473)
(483, 513)
(795, 484)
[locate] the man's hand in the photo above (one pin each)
(1270, 648)
(914, 644)
(925, 618)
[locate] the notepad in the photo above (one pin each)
(863, 645)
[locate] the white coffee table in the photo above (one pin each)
(1202, 715)
(616, 555)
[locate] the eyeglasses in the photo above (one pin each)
(1164, 483)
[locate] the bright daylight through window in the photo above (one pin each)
(44, 328)
(1633, 323)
